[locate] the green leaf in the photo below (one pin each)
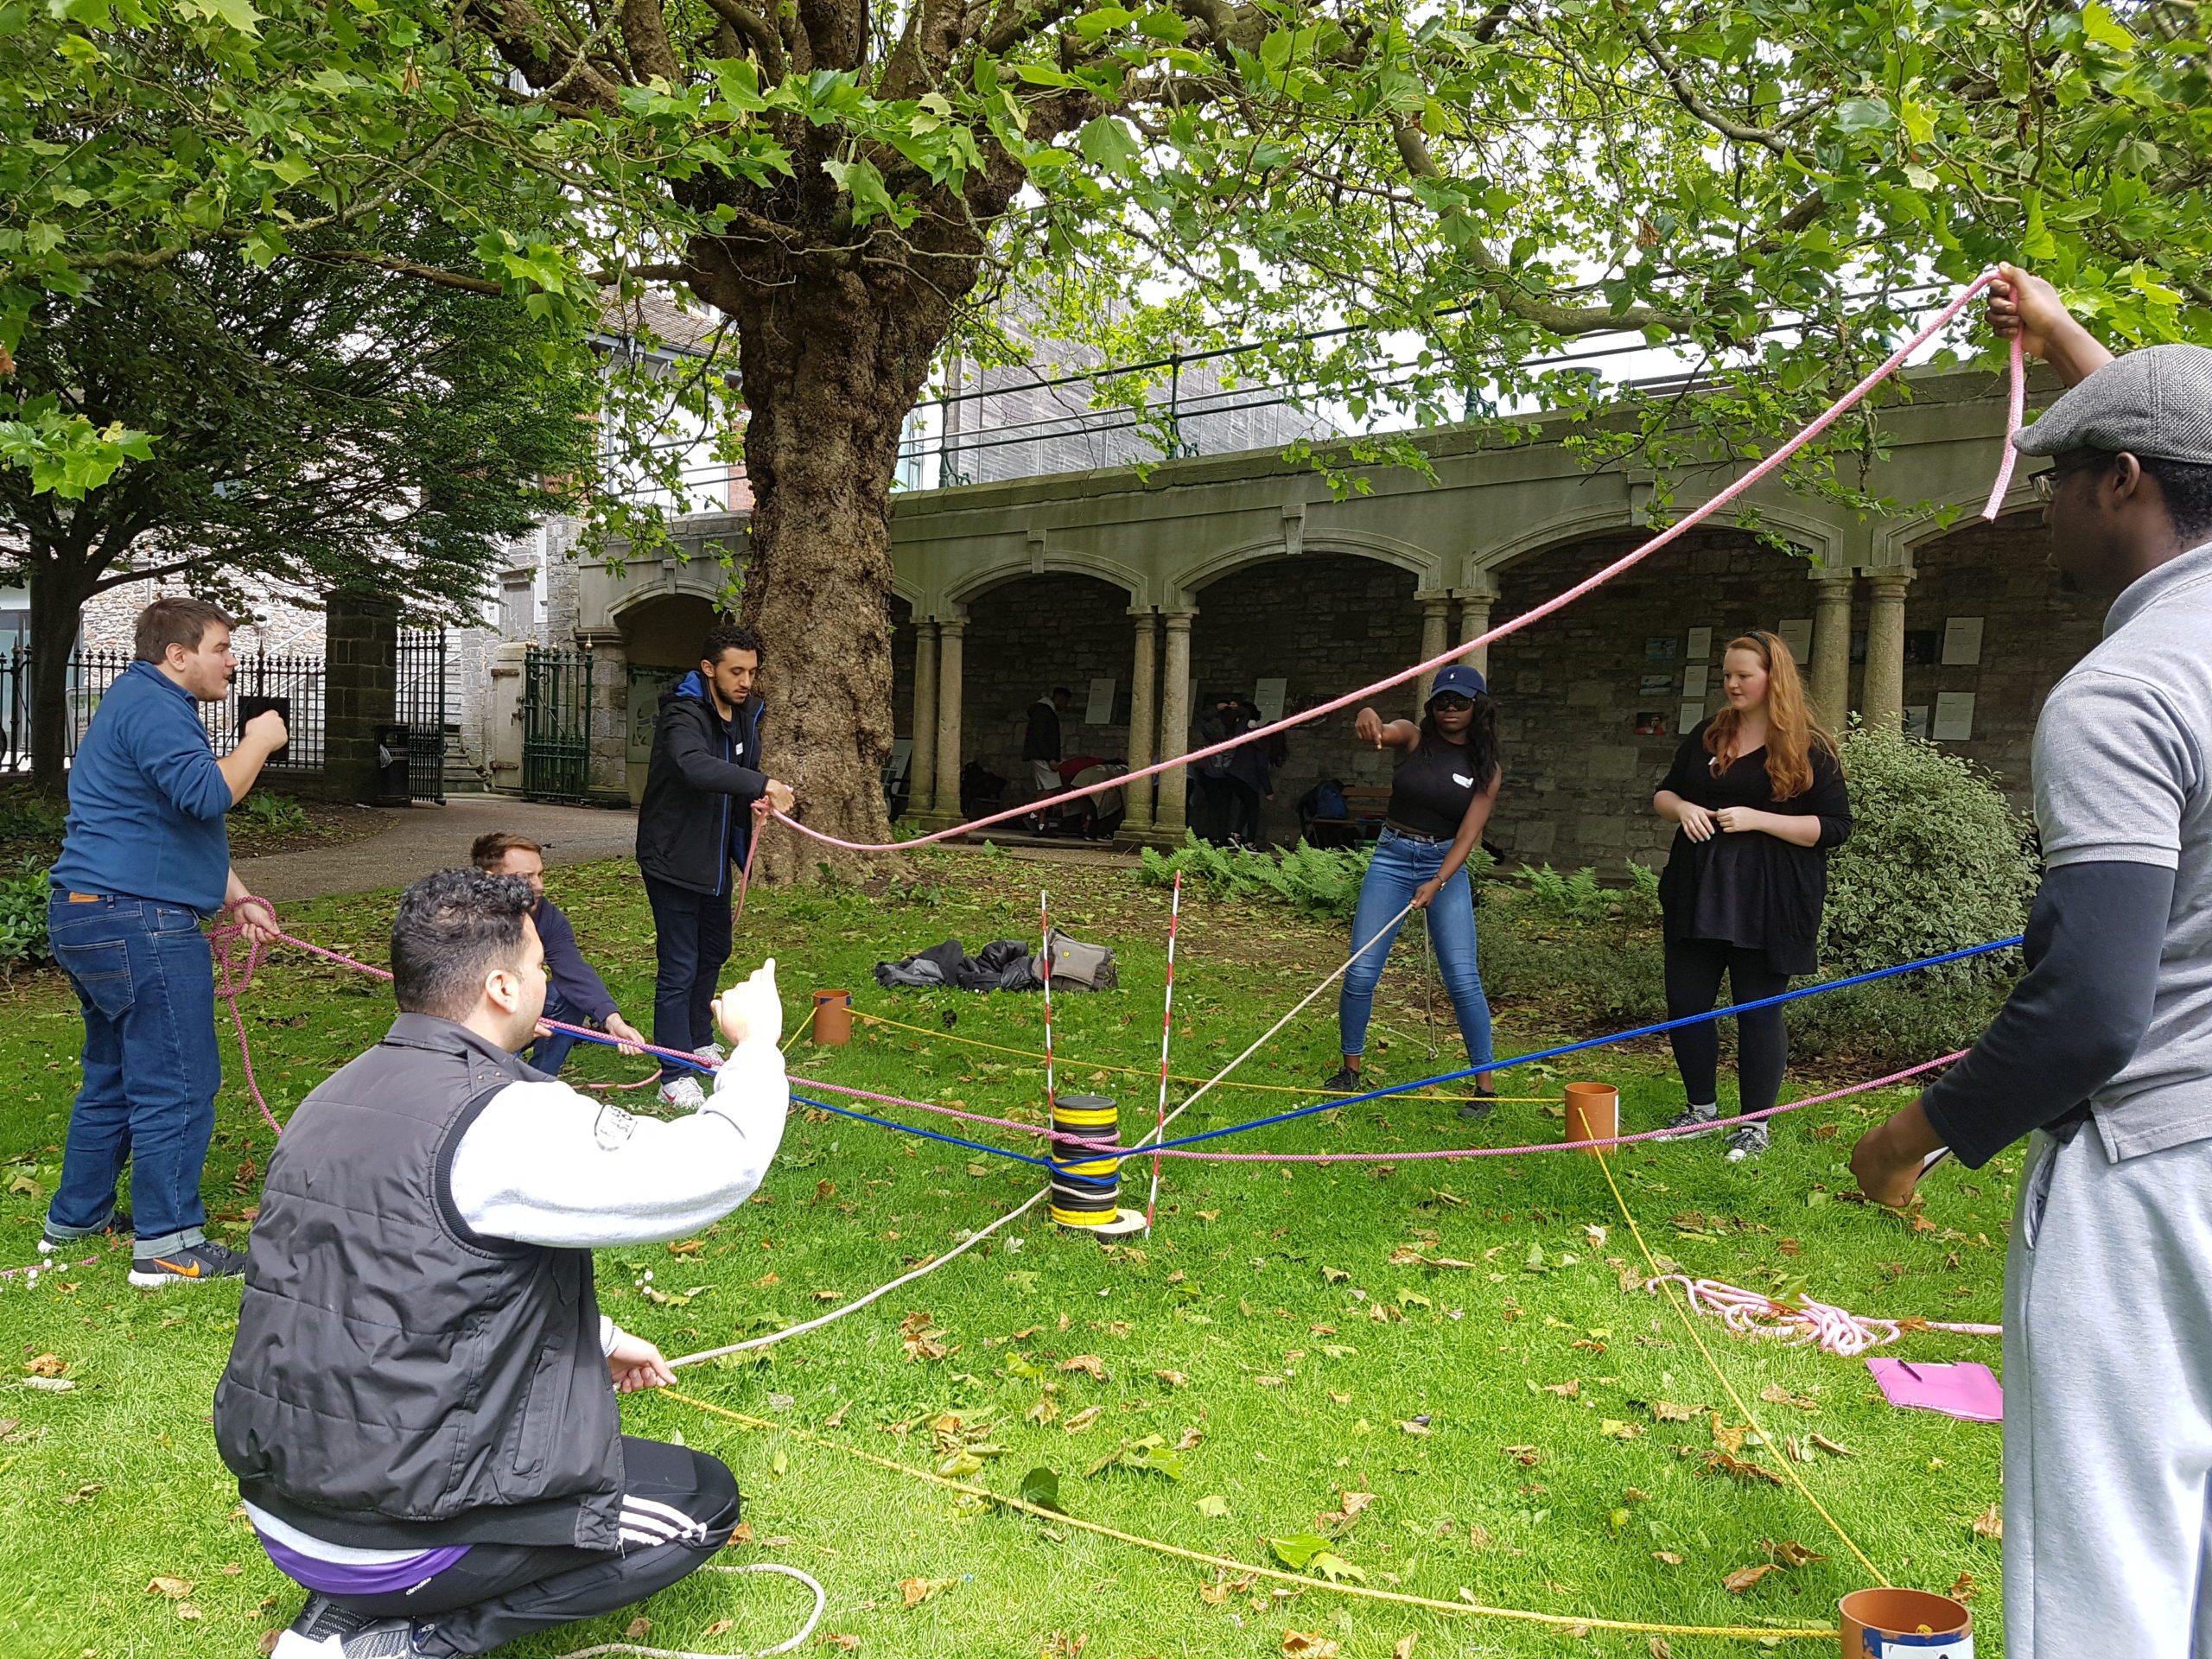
(1857, 114)
(1213, 1508)
(238, 15)
(1298, 1551)
(2100, 25)
(1335, 1568)
(1041, 1487)
(1107, 142)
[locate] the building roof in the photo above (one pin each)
(656, 314)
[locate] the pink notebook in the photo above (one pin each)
(1968, 1390)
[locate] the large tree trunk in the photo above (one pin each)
(831, 364)
(59, 588)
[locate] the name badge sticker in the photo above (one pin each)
(1463, 783)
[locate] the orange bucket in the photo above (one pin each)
(1905, 1624)
(1593, 1113)
(833, 1017)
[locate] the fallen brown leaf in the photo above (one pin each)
(1728, 1439)
(46, 1365)
(1990, 1523)
(175, 1589)
(1790, 1553)
(1089, 1364)
(1660, 1649)
(742, 1534)
(1083, 1419)
(1962, 1588)
(1741, 1469)
(837, 1419)
(1527, 1456)
(1190, 1440)
(719, 1626)
(1403, 1647)
(1303, 1644)
(268, 1642)
(1775, 1394)
(918, 1591)
(1570, 1389)
(1744, 1577)
(186, 1610)
(1836, 1448)
(1667, 1556)
(1173, 1379)
(638, 1627)
(830, 1638)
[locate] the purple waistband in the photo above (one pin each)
(385, 1578)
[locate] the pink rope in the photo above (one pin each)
(2016, 407)
(1166, 1030)
(1044, 949)
(35, 1268)
(1833, 1330)
(1821, 423)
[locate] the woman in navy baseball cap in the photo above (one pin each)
(1441, 793)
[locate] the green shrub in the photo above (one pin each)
(1580, 897)
(22, 916)
(1322, 881)
(1937, 861)
(264, 811)
(27, 814)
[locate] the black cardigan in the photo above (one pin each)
(1751, 889)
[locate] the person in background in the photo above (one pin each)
(419, 1405)
(1441, 795)
(576, 995)
(1212, 795)
(1040, 748)
(695, 827)
(1250, 780)
(1758, 799)
(145, 857)
(2102, 1054)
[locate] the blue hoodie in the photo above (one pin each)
(146, 800)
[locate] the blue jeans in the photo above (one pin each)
(549, 1054)
(691, 943)
(146, 983)
(1400, 865)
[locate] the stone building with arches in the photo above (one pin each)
(1146, 591)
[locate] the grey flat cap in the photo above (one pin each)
(2154, 402)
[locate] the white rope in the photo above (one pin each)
(821, 1600)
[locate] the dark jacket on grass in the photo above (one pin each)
(697, 817)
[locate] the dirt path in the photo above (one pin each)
(425, 838)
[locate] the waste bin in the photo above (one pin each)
(392, 784)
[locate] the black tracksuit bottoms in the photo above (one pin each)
(678, 1508)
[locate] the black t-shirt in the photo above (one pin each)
(1432, 788)
(1752, 889)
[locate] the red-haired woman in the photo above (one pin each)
(1759, 799)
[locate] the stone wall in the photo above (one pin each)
(361, 678)
(1026, 636)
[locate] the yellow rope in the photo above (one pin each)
(1690, 1324)
(1563, 1620)
(1138, 1070)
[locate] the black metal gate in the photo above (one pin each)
(555, 724)
(419, 706)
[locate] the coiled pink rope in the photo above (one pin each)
(1682, 526)
(1833, 1330)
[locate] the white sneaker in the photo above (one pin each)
(684, 1094)
(714, 1053)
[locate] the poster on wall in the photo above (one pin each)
(1688, 715)
(1961, 642)
(1655, 683)
(1916, 720)
(1693, 680)
(1796, 632)
(1099, 709)
(1954, 721)
(1660, 649)
(1268, 697)
(1700, 645)
(1651, 722)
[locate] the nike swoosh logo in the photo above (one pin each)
(184, 1269)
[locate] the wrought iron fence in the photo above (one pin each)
(419, 705)
(293, 685)
(557, 724)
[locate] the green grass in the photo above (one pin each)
(109, 1485)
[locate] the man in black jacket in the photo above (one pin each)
(420, 1402)
(694, 825)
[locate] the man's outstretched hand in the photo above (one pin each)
(2024, 305)
(749, 1012)
(635, 1364)
(632, 1041)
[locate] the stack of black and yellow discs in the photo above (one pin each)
(1086, 1188)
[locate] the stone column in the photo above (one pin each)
(921, 766)
(1475, 603)
(951, 630)
(1174, 727)
(360, 693)
(1882, 705)
(1144, 723)
(1830, 686)
(1435, 635)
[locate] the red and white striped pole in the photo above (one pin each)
(1045, 950)
(1166, 1029)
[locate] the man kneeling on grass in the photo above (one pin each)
(418, 1405)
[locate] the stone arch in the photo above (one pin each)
(1427, 567)
(1893, 541)
(1825, 539)
(1063, 562)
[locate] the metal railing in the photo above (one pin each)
(419, 704)
(291, 684)
(557, 724)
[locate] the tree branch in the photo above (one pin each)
(754, 28)
(1687, 96)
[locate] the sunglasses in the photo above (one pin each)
(1451, 700)
(2045, 483)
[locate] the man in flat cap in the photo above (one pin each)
(2102, 1055)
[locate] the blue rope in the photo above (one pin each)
(1594, 1042)
(926, 1135)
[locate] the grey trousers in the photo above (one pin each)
(2109, 1404)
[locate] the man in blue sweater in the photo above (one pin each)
(574, 994)
(144, 858)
